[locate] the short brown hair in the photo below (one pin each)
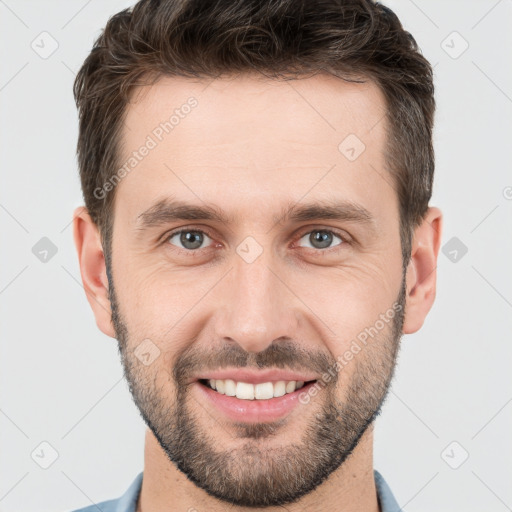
(355, 40)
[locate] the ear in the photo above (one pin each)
(421, 271)
(92, 268)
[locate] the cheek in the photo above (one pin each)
(348, 298)
(356, 309)
(163, 305)
(147, 289)
(369, 347)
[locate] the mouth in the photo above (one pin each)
(244, 402)
(248, 391)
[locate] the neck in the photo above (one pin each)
(351, 488)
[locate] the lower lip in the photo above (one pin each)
(253, 411)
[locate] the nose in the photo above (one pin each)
(256, 306)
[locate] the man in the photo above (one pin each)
(257, 237)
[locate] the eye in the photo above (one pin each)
(190, 239)
(321, 239)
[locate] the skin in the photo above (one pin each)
(252, 147)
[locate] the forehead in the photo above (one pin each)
(240, 140)
(312, 111)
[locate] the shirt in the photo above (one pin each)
(128, 501)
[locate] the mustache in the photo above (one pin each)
(282, 354)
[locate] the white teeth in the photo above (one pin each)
(219, 384)
(230, 387)
(244, 391)
(262, 391)
(290, 386)
(280, 388)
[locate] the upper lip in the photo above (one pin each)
(257, 376)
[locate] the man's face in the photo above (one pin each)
(261, 289)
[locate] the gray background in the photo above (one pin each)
(60, 377)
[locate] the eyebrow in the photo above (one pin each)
(171, 210)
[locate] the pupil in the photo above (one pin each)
(324, 238)
(191, 239)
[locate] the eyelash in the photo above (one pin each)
(345, 239)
